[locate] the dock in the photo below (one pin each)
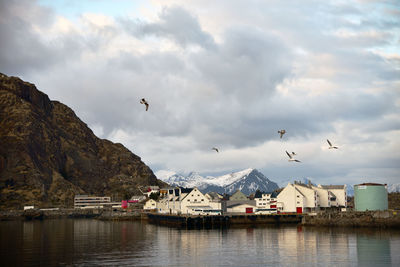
(211, 221)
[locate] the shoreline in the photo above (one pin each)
(373, 219)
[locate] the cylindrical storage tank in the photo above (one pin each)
(370, 196)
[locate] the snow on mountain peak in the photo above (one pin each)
(392, 188)
(248, 181)
(164, 174)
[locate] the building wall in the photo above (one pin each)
(150, 204)
(290, 199)
(194, 198)
(264, 201)
(341, 196)
(311, 199)
(241, 208)
(322, 196)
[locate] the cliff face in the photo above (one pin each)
(47, 154)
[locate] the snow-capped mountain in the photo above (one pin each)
(392, 188)
(248, 181)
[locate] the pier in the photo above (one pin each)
(210, 221)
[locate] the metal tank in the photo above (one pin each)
(370, 196)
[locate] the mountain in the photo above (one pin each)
(248, 181)
(393, 188)
(47, 154)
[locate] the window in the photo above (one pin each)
(298, 202)
(202, 200)
(298, 196)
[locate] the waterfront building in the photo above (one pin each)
(186, 201)
(266, 203)
(306, 198)
(337, 195)
(237, 198)
(85, 201)
(150, 204)
(195, 200)
(240, 208)
(370, 196)
(290, 199)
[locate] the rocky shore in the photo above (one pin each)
(36, 214)
(381, 219)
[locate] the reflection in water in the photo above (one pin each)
(93, 242)
(373, 248)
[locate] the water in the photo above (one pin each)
(82, 242)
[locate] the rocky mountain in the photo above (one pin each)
(248, 181)
(393, 188)
(47, 154)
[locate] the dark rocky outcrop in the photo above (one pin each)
(47, 154)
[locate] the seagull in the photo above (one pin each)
(282, 132)
(216, 149)
(291, 158)
(294, 154)
(330, 145)
(143, 101)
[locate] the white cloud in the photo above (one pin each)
(226, 74)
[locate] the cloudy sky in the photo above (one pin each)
(226, 74)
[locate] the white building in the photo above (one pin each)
(187, 201)
(301, 198)
(338, 195)
(265, 203)
(241, 208)
(150, 204)
(85, 202)
(290, 199)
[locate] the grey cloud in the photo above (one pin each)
(21, 48)
(248, 64)
(24, 50)
(175, 23)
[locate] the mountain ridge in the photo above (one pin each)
(248, 181)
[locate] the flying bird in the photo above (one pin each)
(216, 149)
(294, 154)
(330, 145)
(282, 132)
(291, 158)
(143, 101)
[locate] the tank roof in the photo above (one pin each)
(373, 184)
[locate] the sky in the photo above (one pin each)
(226, 74)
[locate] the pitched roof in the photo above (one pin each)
(332, 186)
(238, 195)
(186, 190)
(214, 195)
(258, 194)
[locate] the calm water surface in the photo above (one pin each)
(100, 243)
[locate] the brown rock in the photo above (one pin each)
(47, 154)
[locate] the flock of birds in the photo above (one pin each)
(291, 155)
(280, 132)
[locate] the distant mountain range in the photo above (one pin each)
(248, 181)
(393, 188)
